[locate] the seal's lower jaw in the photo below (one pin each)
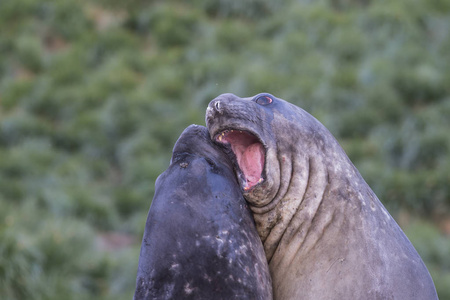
(249, 155)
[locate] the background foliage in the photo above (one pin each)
(93, 95)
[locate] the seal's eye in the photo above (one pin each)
(263, 100)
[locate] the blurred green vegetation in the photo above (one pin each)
(93, 95)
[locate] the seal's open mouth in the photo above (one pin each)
(249, 153)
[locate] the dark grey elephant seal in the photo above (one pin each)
(200, 240)
(325, 233)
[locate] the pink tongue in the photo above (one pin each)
(251, 163)
(249, 154)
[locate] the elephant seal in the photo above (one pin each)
(200, 239)
(325, 233)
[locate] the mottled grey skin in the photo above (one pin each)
(325, 233)
(200, 240)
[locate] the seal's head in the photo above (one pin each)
(282, 156)
(263, 134)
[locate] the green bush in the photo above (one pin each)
(435, 250)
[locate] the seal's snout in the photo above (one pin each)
(217, 106)
(214, 107)
(210, 112)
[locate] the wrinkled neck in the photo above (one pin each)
(263, 214)
(305, 180)
(322, 189)
(306, 173)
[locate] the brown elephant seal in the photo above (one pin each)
(325, 233)
(200, 239)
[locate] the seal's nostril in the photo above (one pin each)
(217, 105)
